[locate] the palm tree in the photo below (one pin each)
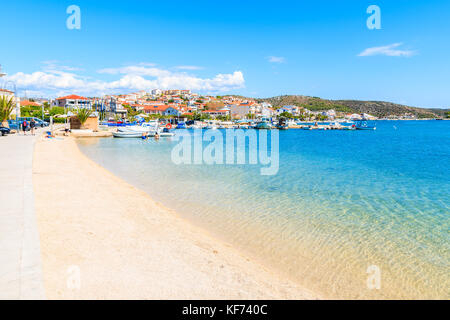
(82, 115)
(6, 107)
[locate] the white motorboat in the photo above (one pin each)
(129, 134)
(165, 133)
(136, 129)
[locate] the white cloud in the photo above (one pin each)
(52, 82)
(54, 65)
(390, 50)
(136, 70)
(188, 68)
(273, 59)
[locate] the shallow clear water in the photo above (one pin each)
(341, 202)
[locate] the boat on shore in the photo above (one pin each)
(129, 134)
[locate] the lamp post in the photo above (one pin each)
(13, 84)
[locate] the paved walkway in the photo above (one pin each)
(20, 261)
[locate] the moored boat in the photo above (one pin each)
(128, 134)
(263, 125)
(364, 125)
(165, 133)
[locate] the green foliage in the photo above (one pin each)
(56, 120)
(321, 117)
(224, 118)
(447, 115)
(316, 104)
(56, 110)
(188, 116)
(6, 107)
(130, 111)
(286, 115)
(83, 114)
(29, 111)
(199, 116)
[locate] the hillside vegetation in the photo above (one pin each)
(376, 108)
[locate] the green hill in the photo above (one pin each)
(376, 108)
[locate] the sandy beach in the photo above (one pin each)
(102, 238)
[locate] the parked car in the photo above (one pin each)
(4, 131)
(13, 124)
(39, 122)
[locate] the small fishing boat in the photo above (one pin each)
(282, 124)
(363, 125)
(165, 133)
(263, 125)
(141, 128)
(181, 125)
(128, 134)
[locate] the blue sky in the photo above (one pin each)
(254, 48)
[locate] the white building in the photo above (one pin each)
(74, 101)
(156, 92)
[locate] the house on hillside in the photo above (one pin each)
(171, 111)
(239, 111)
(216, 113)
(289, 109)
(74, 101)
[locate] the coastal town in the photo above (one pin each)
(169, 103)
(216, 159)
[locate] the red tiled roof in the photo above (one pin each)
(156, 107)
(72, 97)
(29, 103)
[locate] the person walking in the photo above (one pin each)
(32, 126)
(25, 126)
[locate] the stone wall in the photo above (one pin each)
(91, 123)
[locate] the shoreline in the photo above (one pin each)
(102, 238)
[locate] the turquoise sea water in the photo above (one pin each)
(342, 201)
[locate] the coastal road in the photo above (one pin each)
(20, 261)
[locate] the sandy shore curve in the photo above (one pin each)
(102, 238)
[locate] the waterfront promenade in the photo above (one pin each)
(20, 262)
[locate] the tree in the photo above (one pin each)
(286, 115)
(56, 110)
(83, 114)
(6, 107)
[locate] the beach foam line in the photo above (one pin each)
(102, 238)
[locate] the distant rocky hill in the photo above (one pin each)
(376, 108)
